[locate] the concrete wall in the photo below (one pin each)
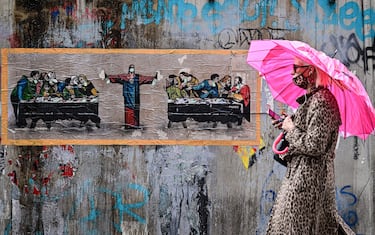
(177, 189)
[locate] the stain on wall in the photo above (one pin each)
(118, 189)
(179, 24)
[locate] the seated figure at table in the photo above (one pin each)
(173, 88)
(241, 93)
(225, 86)
(208, 88)
(49, 90)
(71, 89)
(40, 84)
(50, 87)
(23, 91)
(187, 81)
(86, 87)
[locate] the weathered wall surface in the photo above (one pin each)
(177, 189)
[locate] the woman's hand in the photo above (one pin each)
(277, 123)
(288, 124)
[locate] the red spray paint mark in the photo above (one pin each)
(66, 170)
(13, 177)
(36, 191)
(68, 147)
(14, 41)
(25, 189)
(46, 180)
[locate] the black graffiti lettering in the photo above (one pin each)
(244, 36)
(349, 51)
(228, 38)
(371, 57)
(353, 49)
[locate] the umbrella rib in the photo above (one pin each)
(284, 88)
(345, 110)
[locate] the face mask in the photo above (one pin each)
(300, 81)
(131, 70)
(51, 75)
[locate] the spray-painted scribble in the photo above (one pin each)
(33, 171)
(242, 37)
(346, 201)
(119, 24)
(124, 208)
(113, 198)
(351, 51)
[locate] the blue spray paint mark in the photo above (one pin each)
(329, 12)
(345, 200)
(260, 10)
(93, 213)
(348, 194)
(350, 18)
(127, 208)
(268, 197)
(8, 228)
(216, 16)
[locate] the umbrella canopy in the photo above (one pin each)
(274, 60)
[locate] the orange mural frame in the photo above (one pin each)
(6, 140)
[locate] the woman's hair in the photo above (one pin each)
(322, 78)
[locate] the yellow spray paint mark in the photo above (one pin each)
(247, 155)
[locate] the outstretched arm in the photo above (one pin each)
(146, 79)
(118, 78)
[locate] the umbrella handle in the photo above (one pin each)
(276, 142)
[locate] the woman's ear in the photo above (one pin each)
(311, 70)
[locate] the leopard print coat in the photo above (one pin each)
(306, 201)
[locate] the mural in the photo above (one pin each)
(83, 96)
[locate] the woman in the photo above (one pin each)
(306, 202)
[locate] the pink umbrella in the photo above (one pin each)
(274, 60)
